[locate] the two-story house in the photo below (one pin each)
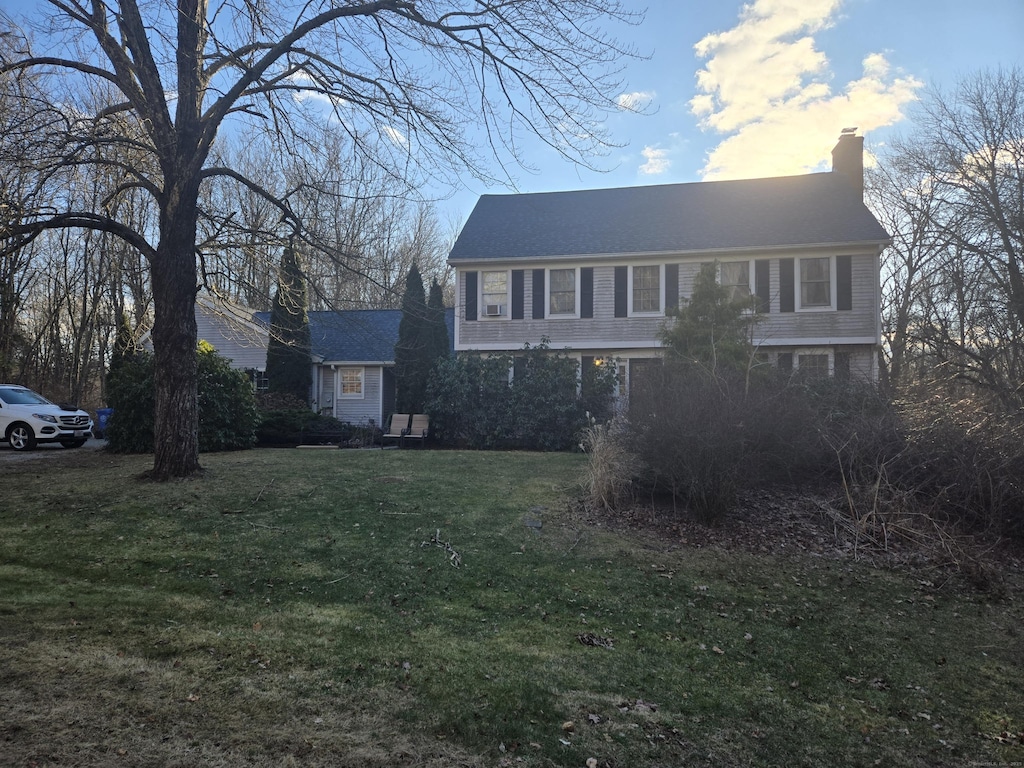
(598, 271)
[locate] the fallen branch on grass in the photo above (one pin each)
(454, 558)
(264, 488)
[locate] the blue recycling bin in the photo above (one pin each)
(102, 417)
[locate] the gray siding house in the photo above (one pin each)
(598, 271)
(352, 361)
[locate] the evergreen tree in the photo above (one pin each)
(411, 367)
(124, 345)
(711, 331)
(288, 349)
(438, 345)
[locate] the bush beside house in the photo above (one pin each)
(473, 403)
(227, 409)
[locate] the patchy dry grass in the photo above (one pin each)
(304, 608)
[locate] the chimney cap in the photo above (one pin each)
(849, 131)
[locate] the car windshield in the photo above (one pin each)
(19, 396)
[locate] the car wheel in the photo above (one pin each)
(21, 437)
(73, 443)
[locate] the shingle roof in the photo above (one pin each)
(811, 209)
(358, 335)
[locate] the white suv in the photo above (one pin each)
(27, 418)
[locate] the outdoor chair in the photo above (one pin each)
(398, 428)
(419, 428)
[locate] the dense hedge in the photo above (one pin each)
(227, 408)
(473, 401)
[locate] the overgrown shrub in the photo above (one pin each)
(687, 429)
(468, 399)
(228, 416)
(283, 418)
(130, 392)
(916, 467)
(279, 401)
(546, 413)
(703, 435)
(474, 402)
(283, 427)
(963, 463)
(227, 410)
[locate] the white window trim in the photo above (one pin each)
(340, 390)
(660, 311)
(507, 304)
(750, 277)
(259, 375)
(547, 293)
(798, 285)
(829, 353)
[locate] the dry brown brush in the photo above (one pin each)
(929, 472)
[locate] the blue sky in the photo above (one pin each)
(763, 88)
(751, 88)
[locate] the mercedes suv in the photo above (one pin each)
(27, 418)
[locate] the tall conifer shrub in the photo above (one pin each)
(288, 349)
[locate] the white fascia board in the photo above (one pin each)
(497, 262)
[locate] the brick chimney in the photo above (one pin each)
(848, 159)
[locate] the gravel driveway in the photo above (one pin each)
(46, 451)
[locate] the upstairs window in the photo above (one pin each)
(562, 293)
(816, 282)
(495, 293)
(734, 276)
(647, 289)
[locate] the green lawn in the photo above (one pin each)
(392, 608)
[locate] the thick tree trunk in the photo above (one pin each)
(176, 433)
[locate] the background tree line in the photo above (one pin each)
(951, 194)
(63, 291)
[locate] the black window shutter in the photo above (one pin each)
(842, 366)
(621, 286)
(671, 287)
(518, 293)
(762, 288)
(787, 297)
(587, 292)
(471, 308)
(538, 294)
(785, 363)
(844, 283)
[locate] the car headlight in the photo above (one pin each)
(45, 417)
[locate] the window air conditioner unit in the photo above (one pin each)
(494, 310)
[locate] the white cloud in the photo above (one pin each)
(637, 101)
(396, 136)
(766, 84)
(657, 161)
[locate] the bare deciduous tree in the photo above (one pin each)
(958, 255)
(404, 78)
(904, 201)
